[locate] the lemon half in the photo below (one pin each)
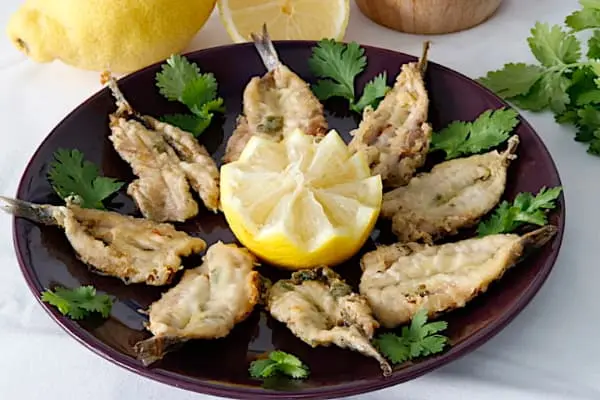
(285, 19)
(301, 203)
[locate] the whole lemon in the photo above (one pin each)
(118, 35)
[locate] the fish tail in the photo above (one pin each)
(539, 237)
(265, 49)
(154, 349)
(422, 66)
(123, 106)
(39, 213)
(510, 152)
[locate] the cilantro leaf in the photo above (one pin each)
(337, 65)
(525, 209)
(79, 302)
(180, 80)
(513, 79)
(373, 92)
(552, 46)
(278, 362)
(490, 129)
(419, 339)
(594, 45)
(71, 175)
(586, 18)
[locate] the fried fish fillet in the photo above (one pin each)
(396, 136)
(400, 279)
(275, 104)
(167, 161)
(135, 250)
(206, 304)
(454, 195)
(320, 309)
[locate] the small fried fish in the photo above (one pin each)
(206, 304)
(320, 309)
(275, 104)
(400, 279)
(167, 161)
(454, 195)
(133, 249)
(396, 136)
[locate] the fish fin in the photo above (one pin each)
(123, 106)
(154, 349)
(539, 237)
(510, 152)
(265, 49)
(40, 213)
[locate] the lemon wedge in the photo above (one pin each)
(300, 203)
(286, 19)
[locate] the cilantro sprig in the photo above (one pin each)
(564, 80)
(490, 129)
(278, 363)
(78, 303)
(72, 176)
(180, 80)
(338, 65)
(419, 339)
(525, 209)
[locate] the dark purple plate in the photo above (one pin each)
(220, 367)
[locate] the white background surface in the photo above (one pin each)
(550, 352)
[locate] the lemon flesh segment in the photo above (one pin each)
(285, 19)
(315, 204)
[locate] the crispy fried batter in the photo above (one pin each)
(275, 104)
(206, 304)
(133, 249)
(396, 136)
(398, 280)
(167, 161)
(320, 309)
(454, 195)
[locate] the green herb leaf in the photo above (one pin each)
(513, 79)
(71, 175)
(552, 46)
(79, 302)
(280, 363)
(180, 80)
(419, 339)
(490, 129)
(374, 92)
(525, 209)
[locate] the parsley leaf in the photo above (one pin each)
(180, 80)
(373, 93)
(525, 209)
(278, 362)
(552, 46)
(79, 302)
(71, 175)
(419, 339)
(490, 129)
(562, 82)
(338, 65)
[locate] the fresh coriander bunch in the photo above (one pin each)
(565, 80)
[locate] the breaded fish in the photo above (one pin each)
(206, 304)
(454, 195)
(275, 104)
(400, 279)
(320, 309)
(396, 135)
(167, 161)
(134, 250)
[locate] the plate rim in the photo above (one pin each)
(348, 388)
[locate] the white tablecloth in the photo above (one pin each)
(550, 352)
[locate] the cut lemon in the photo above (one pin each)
(285, 19)
(301, 203)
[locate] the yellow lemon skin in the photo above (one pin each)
(118, 35)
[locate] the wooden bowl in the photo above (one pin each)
(428, 16)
